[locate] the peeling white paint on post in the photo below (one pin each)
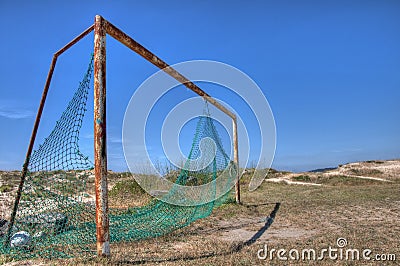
(100, 144)
(106, 248)
(236, 159)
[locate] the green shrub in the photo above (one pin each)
(303, 178)
(5, 188)
(126, 187)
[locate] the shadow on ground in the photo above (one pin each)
(234, 249)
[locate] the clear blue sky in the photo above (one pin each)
(329, 69)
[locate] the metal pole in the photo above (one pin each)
(236, 158)
(30, 148)
(100, 144)
(36, 126)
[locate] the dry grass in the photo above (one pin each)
(365, 212)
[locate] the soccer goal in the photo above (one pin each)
(50, 219)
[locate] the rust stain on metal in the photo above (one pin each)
(100, 145)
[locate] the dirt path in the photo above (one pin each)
(357, 176)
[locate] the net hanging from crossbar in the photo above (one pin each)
(53, 214)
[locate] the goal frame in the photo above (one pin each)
(101, 28)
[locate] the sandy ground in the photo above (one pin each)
(384, 171)
(312, 213)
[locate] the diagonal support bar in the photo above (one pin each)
(36, 126)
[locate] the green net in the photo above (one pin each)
(54, 218)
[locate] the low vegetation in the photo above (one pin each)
(304, 178)
(363, 211)
(5, 188)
